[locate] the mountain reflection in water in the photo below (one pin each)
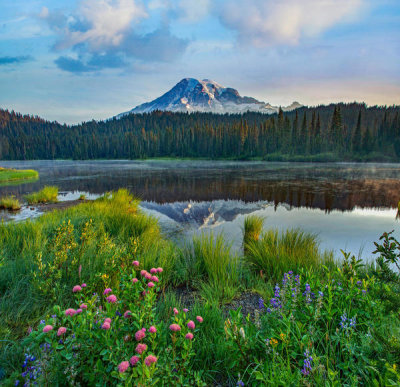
(325, 186)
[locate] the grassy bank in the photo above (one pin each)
(7, 175)
(96, 294)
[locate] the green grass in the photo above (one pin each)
(278, 252)
(108, 233)
(48, 194)
(7, 174)
(10, 203)
(253, 225)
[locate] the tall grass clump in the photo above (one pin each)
(278, 252)
(48, 194)
(10, 203)
(214, 269)
(253, 225)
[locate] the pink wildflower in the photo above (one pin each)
(47, 328)
(134, 360)
(185, 310)
(112, 299)
(123, 366)
(155, 278)
(30, 330)
(106, 325)
(144, 329)
(135, 263)
(76, 289)
(175, 327)
(160, 269)
(199, 319)
(189, 336)
(61, 331)
(191, 324)
(152, 329)
(140, 348)
(150, 360)
(106, 291)
(135, 280)
(176, 311)
(153, 271)
(144, 293)
(140, 335)
(108, 320)
(83, 285)
(83, 306)
(148, 276)
(78, 311)
(127, 314)
(70, 312)
(143, 273)
(151, 285)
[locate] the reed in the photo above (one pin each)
(10, 203)
(48, 194)
(278, 252)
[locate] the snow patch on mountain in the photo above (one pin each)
(193, 95)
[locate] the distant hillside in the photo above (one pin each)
(335, 132)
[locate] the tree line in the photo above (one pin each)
(344, 131)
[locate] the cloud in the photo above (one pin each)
(105, 34)
(5, 60)
(264, 23)
(105, 23)
(159, 46)
(193, 10)
(72, 65)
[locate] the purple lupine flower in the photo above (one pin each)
(343, 319)
(307, 363)
(352, 323)
(277, 290)
(307, 294)
(261, 303)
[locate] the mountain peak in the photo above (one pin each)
(191, 95)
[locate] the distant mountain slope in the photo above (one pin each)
(193, 95)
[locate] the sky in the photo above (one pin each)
(78, 60)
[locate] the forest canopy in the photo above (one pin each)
(338, 131)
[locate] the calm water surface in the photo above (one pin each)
(348, 205)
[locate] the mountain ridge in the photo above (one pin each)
(194, 95)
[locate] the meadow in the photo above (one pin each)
(9, 174)
(96, 295)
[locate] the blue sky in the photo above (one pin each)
(76, 60)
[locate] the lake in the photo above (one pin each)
(348, 205)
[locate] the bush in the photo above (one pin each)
(47, 195)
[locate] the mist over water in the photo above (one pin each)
(348, 205)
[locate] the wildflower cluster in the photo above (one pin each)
(119, 333)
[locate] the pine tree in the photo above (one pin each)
(357, 137)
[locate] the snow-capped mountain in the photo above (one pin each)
(193, 95)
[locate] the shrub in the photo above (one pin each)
(47, 195)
